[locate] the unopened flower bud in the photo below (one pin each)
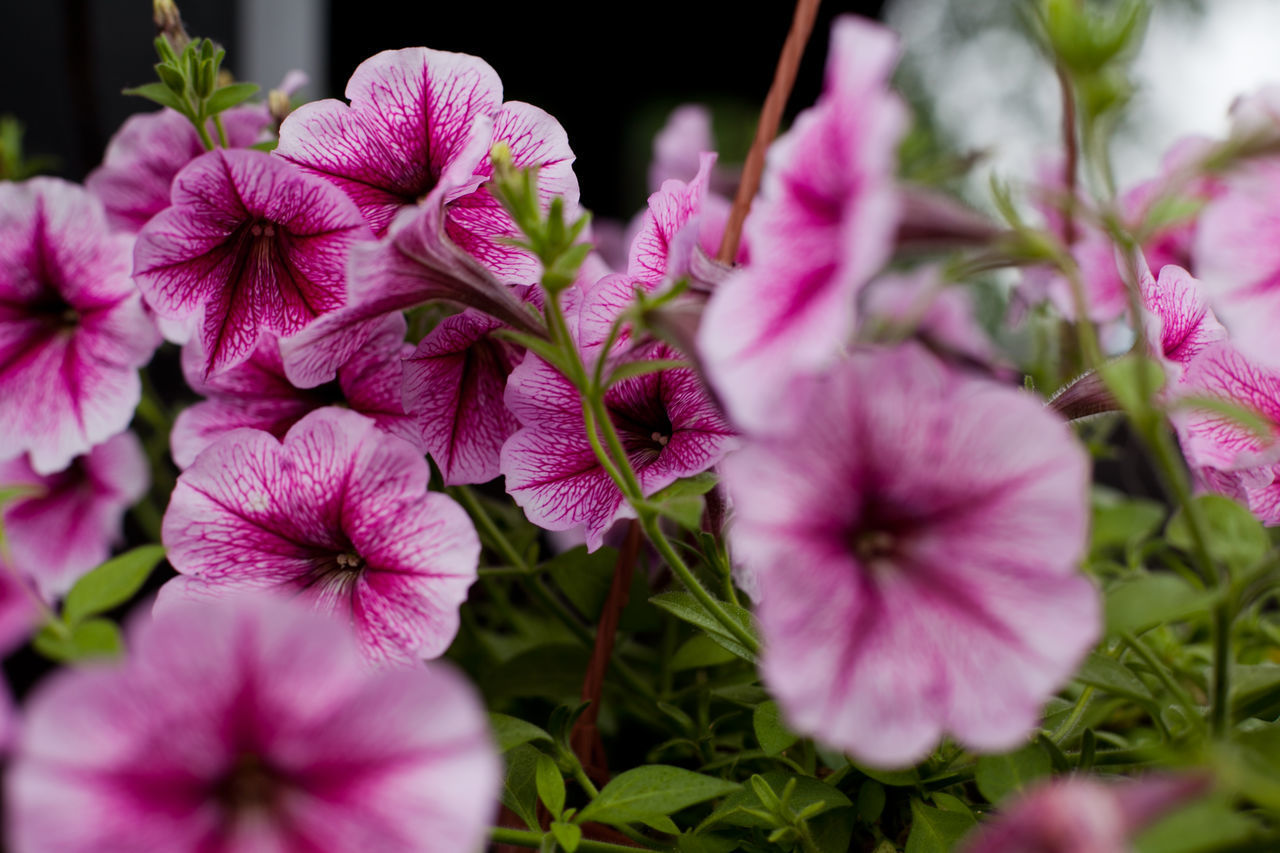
(169, 23)
(279, 105)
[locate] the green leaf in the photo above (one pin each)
(633, 369)
(95, 638)
(1136, 605)
(684, 606)
(510, 732)
(684, 511)
(1255, 691)
(1121, 524)
(1128, 377)
(1115, 678)
(584, 578)
(1211, 824)
(651, 791)
(951, 803)
(550, 784)
(567, 835)
(871, 799)
(699, 484)
(935, 830)
(160, 94)
(1235, 538)
(700, 651)
(737, 807)
(111, 584)
(230, 96)
(770, 732)
(892, 778)
(662, 823)
(519, 789)
(1000, 775)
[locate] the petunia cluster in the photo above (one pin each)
(432, 410)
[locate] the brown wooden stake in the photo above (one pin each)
(784, 77)
(585, 739)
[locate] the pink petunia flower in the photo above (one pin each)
(416, 115)
(73, 332)
(1082, 815)
(940, 315)
(69, 524)
(824, 225)
(251, 726)
(149, 150)
(251, 244)
(416, 262)
(1178, 323)
(338, 513)
(667, 424)
(256, 394)
(453, 387)
(1237, 256)
(914, 549)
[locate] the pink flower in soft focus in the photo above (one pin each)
(678, 146)
(149, 149)
(1172, 198)
(252, 244)
(939, 314)
(251, 726)
(667, 424)
(69, 524)
(416, 115)
(1081, 815)
(915, 550)
(1224, 455)
(824, 225)
(73, 332)
(453, 387)
(1178, 323)
(1237, 256)
(338, 513)
(257, 395)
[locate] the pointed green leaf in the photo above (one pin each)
(633, 369)
(230, 96)
(160, 94)
(871, 800)
(1113, 677)
(95, 638)
(510, 732)
(770, 732)
(684, 606)
(1000, 775)
(111, 584)
(567, 835)
(652, 791)
(935, 830)
(700, 651)
(550, 785)
(519, 789)
(744, 807)
(1136, 605)
(1235, 537)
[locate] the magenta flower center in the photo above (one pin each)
(249, 784)
(645, 429)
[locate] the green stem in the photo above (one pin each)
(497, 539)
(739, 631)
(1068, 726)
(205, 139)
(527, 838)
(222, 132)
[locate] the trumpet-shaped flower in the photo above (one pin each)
(668, 426)
(73, 332)
(69, 522)
(1082, 815)
(251, 726)
(149, 150)
(914, 549)
(338, 513)
(251, 244)
(416, 115)
(824, 225)
(453, 387)
(257, 395)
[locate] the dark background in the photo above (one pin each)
(608, 72)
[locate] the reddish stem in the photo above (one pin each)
(1072, 149)
(585, 739)
(784, 77)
